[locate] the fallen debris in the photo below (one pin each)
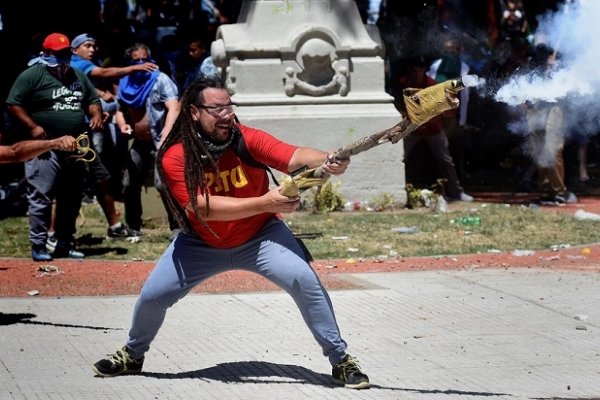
(405, 229)
(582, 215)
(339, 237)
(48, 270)
(522, 253)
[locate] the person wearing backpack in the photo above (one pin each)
(230, 219)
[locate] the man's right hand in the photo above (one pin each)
(65, 143)
(126, 129)
(147, 67)
(278, 203)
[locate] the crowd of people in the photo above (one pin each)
(106, 89)
(120, 82)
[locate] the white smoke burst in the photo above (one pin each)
(575, 81)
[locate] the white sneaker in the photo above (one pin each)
(566, 198)
(465, 197)
(51, 243)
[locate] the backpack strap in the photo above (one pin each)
(241, 150)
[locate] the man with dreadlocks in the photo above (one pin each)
(230, 219)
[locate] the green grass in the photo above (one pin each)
(369, 234)
(502, 228)
(91, 235)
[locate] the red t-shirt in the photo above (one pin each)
(237, 179)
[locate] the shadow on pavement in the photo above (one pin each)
(271, 373)
(23, 318)
(252, 372)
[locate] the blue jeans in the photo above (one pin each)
(273, 253)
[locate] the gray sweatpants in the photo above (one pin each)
(273, 253)
(52, 175)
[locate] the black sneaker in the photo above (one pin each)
(348, 373)
(118, 364)
(123, 232)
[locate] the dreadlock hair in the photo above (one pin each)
(196, 154)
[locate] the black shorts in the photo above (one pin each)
(98, 172)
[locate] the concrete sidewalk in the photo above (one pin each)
(469, 334)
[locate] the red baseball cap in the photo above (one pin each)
(56, 42)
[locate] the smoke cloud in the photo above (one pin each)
(575, 81)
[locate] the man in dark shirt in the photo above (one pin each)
(52, 99)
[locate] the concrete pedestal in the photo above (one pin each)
(311, 73)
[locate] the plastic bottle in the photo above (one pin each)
(470, 220)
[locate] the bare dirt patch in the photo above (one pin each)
(109, 278)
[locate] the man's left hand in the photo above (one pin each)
(334, 166)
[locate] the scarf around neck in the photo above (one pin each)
(216, 150)
(48, 60)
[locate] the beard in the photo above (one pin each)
(216, 149)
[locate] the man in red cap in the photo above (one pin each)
(51, 99)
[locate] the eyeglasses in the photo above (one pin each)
(219, 111)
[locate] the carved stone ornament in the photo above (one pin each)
(317, 70)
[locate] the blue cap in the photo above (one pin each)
(79, 40)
